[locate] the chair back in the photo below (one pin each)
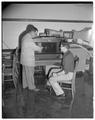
(74, 77)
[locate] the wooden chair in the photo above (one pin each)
(70, 82)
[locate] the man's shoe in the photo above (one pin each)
(36, 89)
(48, 83)
(61, 97)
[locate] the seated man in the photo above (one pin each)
(66, 73)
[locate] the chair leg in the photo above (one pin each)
(70, 109)
(72, 101)
(73, 93)
(50, 90)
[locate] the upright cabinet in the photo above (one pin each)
(7, 65)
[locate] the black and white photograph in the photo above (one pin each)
(47, 59)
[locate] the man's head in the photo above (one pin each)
(64, 47)
(32, 30)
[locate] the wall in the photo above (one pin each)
(12, 29)
(83, 56)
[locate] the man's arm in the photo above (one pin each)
(36, 47)
(57, 64)
(60, 72)
(28, 41)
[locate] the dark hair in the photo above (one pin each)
(30, 28)
(65, 44)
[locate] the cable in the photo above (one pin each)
(91, 55)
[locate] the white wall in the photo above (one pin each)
(50, 11)
(11, 30)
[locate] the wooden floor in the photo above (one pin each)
(29, 104)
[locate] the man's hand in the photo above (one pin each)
(42, 48)
(54, 74)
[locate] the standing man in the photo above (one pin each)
(66, 73)
(27, 57)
